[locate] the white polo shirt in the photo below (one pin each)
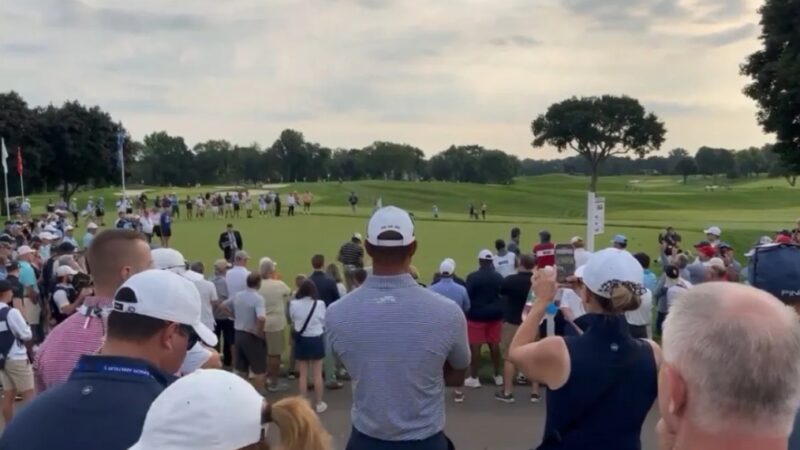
(20, 329)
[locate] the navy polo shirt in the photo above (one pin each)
(101, 407)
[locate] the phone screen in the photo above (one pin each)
(565, 262)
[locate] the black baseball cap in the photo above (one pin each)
(5, 286)
(65, 247)
(12, 266)
(672, 272)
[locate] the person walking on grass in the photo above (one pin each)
(485, 317)
(308, 325)
(249, 314)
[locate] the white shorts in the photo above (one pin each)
(195, 358)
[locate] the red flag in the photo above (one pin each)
(19, 160)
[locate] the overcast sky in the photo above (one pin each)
(348, 72)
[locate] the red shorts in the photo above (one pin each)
(484, 332)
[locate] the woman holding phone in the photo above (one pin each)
(602, 383)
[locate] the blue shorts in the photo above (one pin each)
(360, 441)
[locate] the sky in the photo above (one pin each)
(430, 73)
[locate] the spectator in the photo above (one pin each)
(329, 293)
(545, 251)
(69, 237)
(485, 317)
(620, 242)
(668, 290)
(650, 279)
(715, 396)
(514, 290)
(455, 292)
(456, 278)
(236, 277)
(32, 309)
(165, 226)
(698, 272)
(230, 241)
(505, 262)
(224, 412)
(115, 255)
(155, 319)
(712, 236)
(605, 373)
(732, 266)
(91, 232)
(397, 401)
(249, 315)
(640, 318)
(716, 270)
(276, 298)
(66, 299)
(198, 356)
(351, 255)
(581, 254)
(147, 224)
(308, 325)
(222, 319)
(513, 243)
(16, 374)
(333, 271)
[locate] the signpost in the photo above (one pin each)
(595, 218)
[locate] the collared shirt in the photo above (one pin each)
(222, 295)
(27, 276)
(483, 287)
(76, 336)
(351, 254)
(21, 331)
(208, 296)
(276, 296)
(87, 240)
(247, 306)
(452, 290)
(394, 337)
(236, 279)
(102, 406)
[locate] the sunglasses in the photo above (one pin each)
(192, 337)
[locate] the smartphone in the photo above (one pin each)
(565, 262)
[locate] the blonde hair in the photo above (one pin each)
(299, 425)
(412, 270)
(621, 300)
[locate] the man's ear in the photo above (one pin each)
(167, 334)
(674, 392)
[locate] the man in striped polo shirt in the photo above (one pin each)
(395, 337)
(351, 255)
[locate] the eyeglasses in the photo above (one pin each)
(192, 337)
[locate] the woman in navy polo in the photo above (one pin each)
(602, 383)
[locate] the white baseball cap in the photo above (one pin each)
(65, 270)
(715, 262)
(25, 250)
(69, 228)
(266, 260)
(575, 240)
(447, 267)
(47, 236)
(358, 236)
(164, 295)
(390, 218)
(91, 226)
(486, 255)
(610, 267)
(168, 259)
(713, 230)
(208, 409)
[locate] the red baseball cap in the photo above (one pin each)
(706, 250)
(783, 239)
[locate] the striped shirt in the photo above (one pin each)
(351, 254)
(62, 348)
(394, 337)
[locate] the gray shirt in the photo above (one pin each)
(394, 337)
(698, 272)
(222, 295)
(246, 306)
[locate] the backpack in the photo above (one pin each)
(776, 269)
(7, 337)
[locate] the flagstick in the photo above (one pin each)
(8, 205)
(22, 187)
(124, 194)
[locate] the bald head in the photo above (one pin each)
(735, 348)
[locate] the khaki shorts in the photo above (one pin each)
(276, 341)
(508, 333)
(17, 375)
(33, 312)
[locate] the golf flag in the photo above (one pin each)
(19, 161)
(4, 155)
(120, 142)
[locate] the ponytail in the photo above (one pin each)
(299, 425)
(621, 299)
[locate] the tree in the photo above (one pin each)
(167, 160)
(775, 72)
(714, 161)
(686, 166)
(598, 128)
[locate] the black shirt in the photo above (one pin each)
(351, 254)
(326, 287)
(483, 287)
(17, 288)
(515, 291)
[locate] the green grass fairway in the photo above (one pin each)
(636, 206)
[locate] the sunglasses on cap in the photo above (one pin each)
(192, 337)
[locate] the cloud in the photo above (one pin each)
(24, 49)
(519, 40)
(728, 36)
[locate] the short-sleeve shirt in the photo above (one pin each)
(299, 310)
(247, 306)
(276, 296)
(394, 337)
(504, 264)
(236, 279)
(27, 276)
(545, 254)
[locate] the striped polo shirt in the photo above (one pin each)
(351, 254)
(76, 336)
(394, 337)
